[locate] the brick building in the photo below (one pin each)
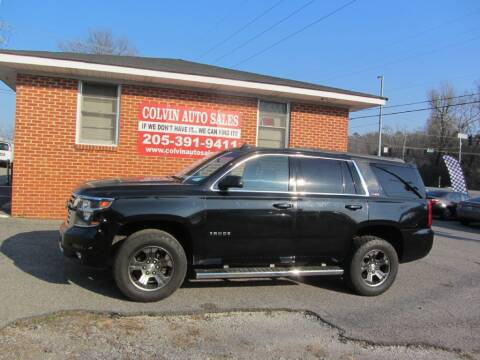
(81, 117)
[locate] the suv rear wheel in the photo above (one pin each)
(373, 266)
(150, 265)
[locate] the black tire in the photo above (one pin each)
(356, 278)
(446, 214)
(464, 222)
(151, 240)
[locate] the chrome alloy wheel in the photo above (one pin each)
(150, 268)
(375, 268)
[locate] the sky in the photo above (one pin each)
(415, 45)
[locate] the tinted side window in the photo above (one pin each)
(321, 176)
(265, 173)
(391, 176)
(349, 184)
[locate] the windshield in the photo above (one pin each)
(3, 146)
(205, 167)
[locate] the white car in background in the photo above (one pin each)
(6, 153)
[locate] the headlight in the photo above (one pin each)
(86, 206)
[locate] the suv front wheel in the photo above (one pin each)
(150, 265)
(373, 266)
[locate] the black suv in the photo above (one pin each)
(252, 212)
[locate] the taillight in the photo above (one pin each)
(429, 213)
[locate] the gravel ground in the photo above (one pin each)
(235, 335)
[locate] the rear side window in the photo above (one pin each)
(399, 181)
(321, 176)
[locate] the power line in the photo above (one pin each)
(414, 85)
(264, 31)
(363, 125)
(421, 102)
(418, 34)
(426, 31)
(296, 32)
(415, 110)
(216, 46)
(222, 18)
(411, 56)
(414, 134)
(415, 147)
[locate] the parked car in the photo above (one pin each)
(253, 212)
(6, 153)
(469, 211)
(445, 202)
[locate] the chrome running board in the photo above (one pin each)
(258, 272)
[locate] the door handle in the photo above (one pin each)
(353, 207)
(283, 206)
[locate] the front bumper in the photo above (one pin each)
(416, 244)
(468, 214)
(89, 245)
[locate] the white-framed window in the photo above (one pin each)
(273, 119)
(98, 113)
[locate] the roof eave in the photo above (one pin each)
(11, 64)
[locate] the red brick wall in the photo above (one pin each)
(48, 163)
(316, 126)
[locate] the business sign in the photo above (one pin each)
(180, 131)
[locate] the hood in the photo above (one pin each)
(115, 187)
(132, 181)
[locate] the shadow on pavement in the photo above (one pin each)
(37, 253)
(456, 237)
(447, 225)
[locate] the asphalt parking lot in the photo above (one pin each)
(434, 302)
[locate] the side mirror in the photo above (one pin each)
(230, 181)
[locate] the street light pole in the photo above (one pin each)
(460, 151)
(380, 118)
(460, 138)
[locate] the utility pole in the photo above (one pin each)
(380, 118)
(404, 144)
(460, 138)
